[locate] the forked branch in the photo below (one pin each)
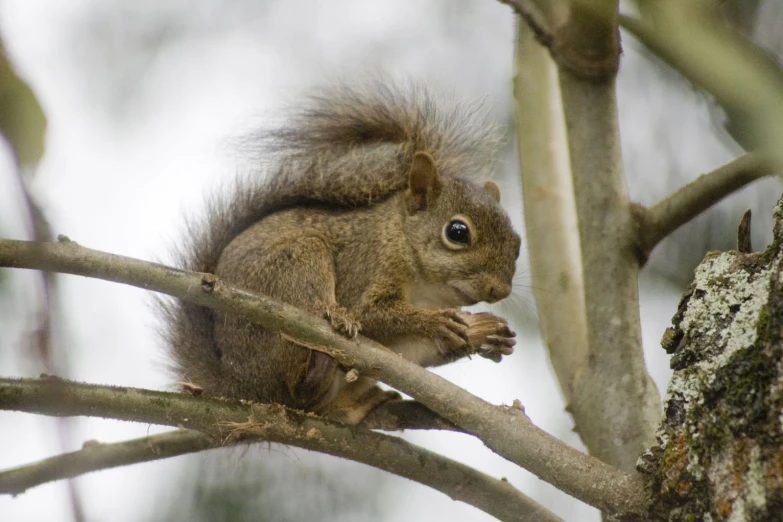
(533, 20)
(95, 456)
(229, 422)
(506, 430)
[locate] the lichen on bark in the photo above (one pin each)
(719, 452)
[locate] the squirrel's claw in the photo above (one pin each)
(452, 330)
(503, 343)
(488, 352)
(458, 316)
(341, 321)
(489, 335)
(496, 347)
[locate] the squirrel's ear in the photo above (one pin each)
(493, 190)
(424, 183)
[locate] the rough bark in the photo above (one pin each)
(719, 452)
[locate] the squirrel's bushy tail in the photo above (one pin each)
(345, 146)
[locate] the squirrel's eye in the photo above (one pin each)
(458, 232)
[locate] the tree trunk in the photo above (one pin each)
(719, 453)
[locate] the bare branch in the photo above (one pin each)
(507, 431)
(229, 422)
(96, 456)
(550, 211)
(665, 217)
(41, 337)
(586, 361)
(744, 80)
(40, 230)
(614, 401)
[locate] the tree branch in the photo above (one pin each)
(96, 456)
(41, 338)
(507, 431)
(616, 417)
(228, 422)
(550, 211)
(663, 218)
(392, 415)
(697, 43)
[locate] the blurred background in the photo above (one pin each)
(143, 101)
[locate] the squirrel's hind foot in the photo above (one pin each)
(353, 405)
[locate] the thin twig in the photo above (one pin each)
(41, 338)
(40, 231)
(506, 431)
(663, 218)
(230, 422)
(96, 456)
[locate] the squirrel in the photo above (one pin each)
(370, 215)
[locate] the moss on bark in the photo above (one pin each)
(719, 452)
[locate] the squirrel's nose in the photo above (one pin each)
(498, 291)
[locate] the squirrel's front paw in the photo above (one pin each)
(489, 335)
(451, 331)
(341, 321)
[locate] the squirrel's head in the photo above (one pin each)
(464, 247)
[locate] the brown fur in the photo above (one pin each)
(349, 224)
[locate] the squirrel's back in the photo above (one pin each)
(346, 146)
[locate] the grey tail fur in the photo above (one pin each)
(345, 146)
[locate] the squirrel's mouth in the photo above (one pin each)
(464, 296)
